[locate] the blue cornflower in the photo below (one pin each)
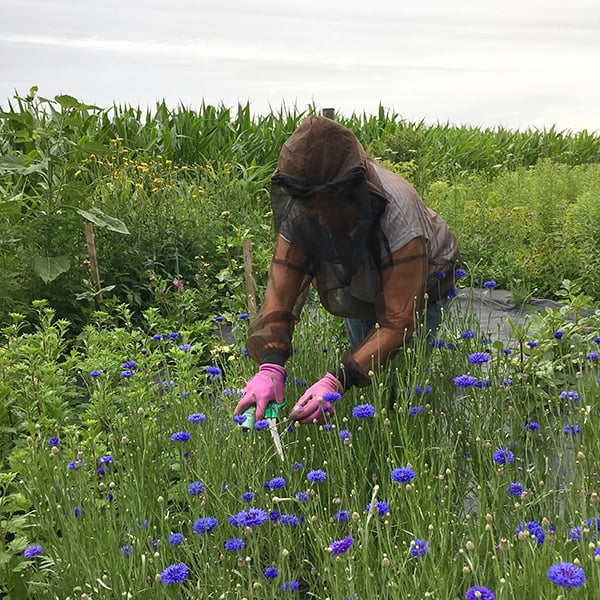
(465, 381)
(327, 426)
(197, 418)
(592, 356)
(419, 548)
(532, 426)
(403, 475)
(239, 419)
(331, 397)
(302, 497)
(173, 336)
(531, 529)
(558, 335)
(275, 483)
(185, 347)
(379, 507)
(297, 466)
(502, 456)
(157, 337)
(316, 476)
(94, 374)
(570, 395)
(532, 344)
(204, 525)
(53, 442)
(479, 592)
(214, 373)
(467, 335)
(479, 358)
(274, 515)
(175, 539)
(32, 551)
(261, 424)
(566, 574)
(458, 273)
(181, 436)
(106, 459)
(515, 489)
(244, 316)
(571, 429)
(127, 373)
(490, 284)
(342, 516)
(420, 390)
(234, 545)
(363, 411)
(289, 520)
(345, 435)
(126, 550)
(341, 546)
(252, 517)
(248, 496)
(271, 572)
(218, 319)
(196, 488)
(416, 410)
(575, 534)
(75, 464)
(130, 364)
(289, 586)
(176, 573)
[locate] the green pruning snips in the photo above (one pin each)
(271, 413)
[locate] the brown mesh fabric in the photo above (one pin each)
(289, 279)
(404, 279)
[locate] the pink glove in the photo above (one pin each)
(317, 403)
(265, 386)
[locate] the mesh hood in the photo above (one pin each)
(323, 198)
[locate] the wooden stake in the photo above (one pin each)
(94, 272)
(250, 287)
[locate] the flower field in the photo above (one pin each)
(469, 468)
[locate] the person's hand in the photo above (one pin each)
(264, 387)
(317, 404)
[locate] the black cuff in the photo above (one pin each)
(274, 356)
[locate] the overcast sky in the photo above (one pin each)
(517, 63)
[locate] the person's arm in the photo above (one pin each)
(404, 280)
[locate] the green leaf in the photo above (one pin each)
(67, 101)
(50, 267)
(97, 217)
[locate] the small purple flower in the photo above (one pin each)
(479, 358)
(331, 397)
(185, 347)
(32, 551)
(345, 435)
(173, 336)
(130, 364)
(503, 456)
(248, 496)
(479, 592)
(252, 517)
(214, 373)
(342, 546)
(592, 356)
(575, 534)
(558, 335)
(181, 436)
(275, 483)
(297, 466)
(274, 515)
(289, 520)
(197, 418)
(490, 284)
(289, 586)
(176, 573)
(363, 411)
(196, 488)
(465, 381)
(532, 344)
(413, 411)
(316, 476)
(127, 373)
(157, 337)
(342, 516)
(239, 419)
(271, 573)
(204, 525)
(218, 319)
(94, 374)
(467, 335)
(403, 475)
(53, 442)
(532, 426)
(176, 539)
(515, 489)
(571, 429)
(531, 529)
(302, 497)
(126, 550)
(379, 507)
(566, 574)
(458, 273)
(419, 548)
(244, 316)
(234, 545)
(261, 424)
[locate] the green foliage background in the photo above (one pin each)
(190, 185)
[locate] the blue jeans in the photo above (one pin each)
(358, 329)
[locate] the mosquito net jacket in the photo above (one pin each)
(362, 235)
